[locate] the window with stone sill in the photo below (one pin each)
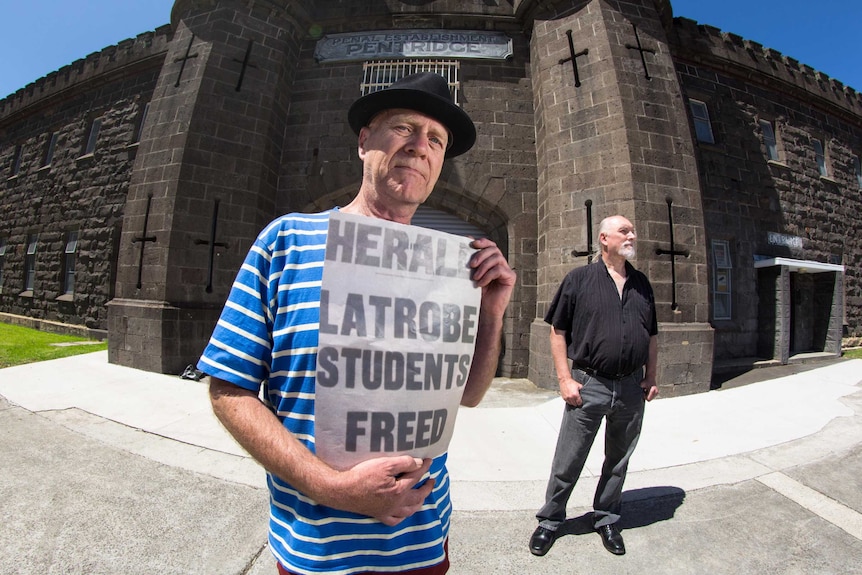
(69, 263)
(820, 157)
(722, 280)
(2, 260)
(139, 129)
(92, 137)
(15, 166)
(857, 166)
(770, 140)
(702, 124)
(48, 153)
(30, 263)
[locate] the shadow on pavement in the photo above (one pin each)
(641, 507)
(736, 376)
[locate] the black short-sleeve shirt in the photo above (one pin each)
(603, 331)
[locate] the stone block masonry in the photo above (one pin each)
(71, 190)
(214, 125)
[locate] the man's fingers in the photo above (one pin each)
(416, 475)
(485, 260)
(412, 501)
(404, 464)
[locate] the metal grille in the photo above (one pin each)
(441, 221)
(379, 74)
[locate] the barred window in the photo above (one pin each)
(379, 74)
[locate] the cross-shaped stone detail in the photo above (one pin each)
(672, 252)
(185, 59)
(573, 58)
(213, 245)
(641, 50)
(143, 239)
(245, 64)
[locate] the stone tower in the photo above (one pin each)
(205, 177)
(612, 137)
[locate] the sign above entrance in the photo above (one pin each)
(786, 241)
(413, 44)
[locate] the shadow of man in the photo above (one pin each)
(642, 507)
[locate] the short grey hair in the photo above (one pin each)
(605, 227)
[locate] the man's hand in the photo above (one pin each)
(570, 391)
(382, 488)
(650, 388)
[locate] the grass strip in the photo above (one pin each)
(20, 345)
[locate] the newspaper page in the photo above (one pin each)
(398, 322)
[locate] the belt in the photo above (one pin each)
(596, 373)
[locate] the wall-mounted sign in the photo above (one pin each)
(776, 239)
(413, 44)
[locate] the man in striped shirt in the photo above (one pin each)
(603, 320)
(384, 515)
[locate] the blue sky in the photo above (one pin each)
(40, 36)
(824, 34)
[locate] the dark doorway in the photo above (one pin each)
(811, 303)
(802, 313)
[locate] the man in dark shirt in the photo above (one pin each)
(603, 320)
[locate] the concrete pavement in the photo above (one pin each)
(107, 469)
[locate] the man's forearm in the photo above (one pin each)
(559, 354)
(486, 356)
(388, 489)
(263, 436)
(651, 368)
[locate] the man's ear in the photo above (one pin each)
(363, 137)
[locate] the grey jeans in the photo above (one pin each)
(621, 402)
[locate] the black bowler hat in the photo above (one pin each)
(424, 92)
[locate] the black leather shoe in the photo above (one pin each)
(612, 539)
(541, 540)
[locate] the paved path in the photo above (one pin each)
(108, 469)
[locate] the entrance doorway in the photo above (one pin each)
(801, 307)
(810, 307)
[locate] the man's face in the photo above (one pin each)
(620, 238)
(402, 153)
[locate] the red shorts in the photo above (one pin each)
(439, 569)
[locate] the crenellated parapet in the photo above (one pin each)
(141, 51)
(730, 53)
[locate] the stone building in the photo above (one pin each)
(136, 178)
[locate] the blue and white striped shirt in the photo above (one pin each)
(268, 335)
